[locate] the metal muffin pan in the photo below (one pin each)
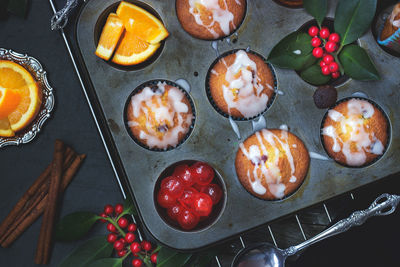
(212, 139)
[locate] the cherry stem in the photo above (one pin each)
(116, 226)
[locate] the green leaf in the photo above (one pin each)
(18, 7)
(170, 258)
(314, 75)
(109, 262)
(75, 225)
(317, 9)
(357, 64)
(92, 250)
(204, 259)
(352, 18)
(293, 52)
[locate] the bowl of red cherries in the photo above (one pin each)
(190, 195)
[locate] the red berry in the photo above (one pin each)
(121, 253)
(118, 245)
(202, 173)
(173, 186)
(130, 237)
(322, 63)
(325, 70)
(335, 75)
(187, 197)
(136, 263)
(111, 238)
(203, 204)
(183, 172)
(328, 59)
(333, 67)
(324, 33)
(174, 211)
(135, 247)
(188, 219)
(132, 227)
(104, 216)
(123, 222)
(214, 191)
(111, 228)
(334, 37)
(315, 42)
(313, 31)
(119, 208)
(165, 200)
(122, 240)
(146, 245)
(153, 258)
(318, 52)
(330, 47)
(108, 209)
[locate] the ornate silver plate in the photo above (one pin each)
(40, 75)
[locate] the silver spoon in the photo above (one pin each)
(267, 255)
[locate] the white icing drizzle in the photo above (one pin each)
(184, 84)
(259, 124)
(160, 114)
(266, 165)
(279, 92)
(284, 127)
(297, 52)
(352, 124)
(314, 155)
(395, 12)
(245, 91)
(235, 127)
(220, 15)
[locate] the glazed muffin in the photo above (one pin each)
(210, 19)
(392, 23)
(241, 84)
(355, 132)
(272, 164)
(159, 116)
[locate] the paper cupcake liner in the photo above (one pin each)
(138, 89)
(388, 130)
(226, 115)
(393, 42)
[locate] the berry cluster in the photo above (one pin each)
(329, 42)
(124, 242)
(189, 194)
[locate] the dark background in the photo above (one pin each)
(374, 244)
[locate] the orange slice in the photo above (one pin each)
(14, 76)
(9, 101)
(141, 23)
(5, 128)
(109, 37)
(133, 50)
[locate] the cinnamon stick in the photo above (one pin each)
(46, 231)
(27, 200)
(38, 210)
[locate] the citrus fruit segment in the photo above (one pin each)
(141, 23)
(5, 128)
(9, 101)
(14, 76)
(109, 37)
(133, 50)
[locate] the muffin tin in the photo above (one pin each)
(213, 139)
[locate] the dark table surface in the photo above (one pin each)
(95, 184)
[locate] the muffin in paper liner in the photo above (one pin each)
(392, 42)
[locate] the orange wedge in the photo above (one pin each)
(9, 101)
(109, 37)
(14, 76)
(5, 128)
(141, 23)
(133, 50)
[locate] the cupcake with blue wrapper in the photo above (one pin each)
(390, 34)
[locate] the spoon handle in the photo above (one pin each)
(383, 205)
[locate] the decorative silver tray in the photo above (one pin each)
(40, 75)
